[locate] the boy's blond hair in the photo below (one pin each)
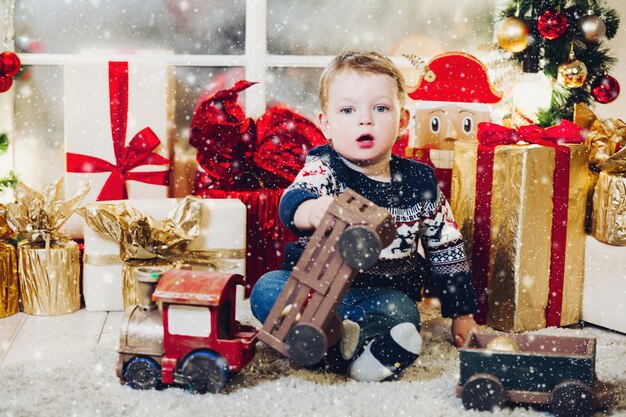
(360, 61)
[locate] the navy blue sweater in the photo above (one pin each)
(421, 212)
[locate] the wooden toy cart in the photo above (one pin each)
(554, 371)
(303, 322)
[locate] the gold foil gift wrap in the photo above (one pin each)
(9, 292)
(48, 263)
(144, 241)
(518, 281)
(604, 138)
(609, 201)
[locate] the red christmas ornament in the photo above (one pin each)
(551, 24)
(5, 83)
(9, 64)
(605, 89)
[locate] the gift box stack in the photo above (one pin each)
(604, 291)
(253, 161)
(519, 198)
(117, 130)
(122, 236)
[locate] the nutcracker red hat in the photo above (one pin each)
(455, 77)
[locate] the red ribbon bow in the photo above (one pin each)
(238, 154)
(139, 152)
(491, 135)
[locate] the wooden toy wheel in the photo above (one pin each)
(572, 399)
(306, 344)
(205, 372)
(483, 392)
(359, 247)
(142, 373)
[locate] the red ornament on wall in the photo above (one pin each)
(9, 64)
(605, 89)
(5, 83)
(551, 24)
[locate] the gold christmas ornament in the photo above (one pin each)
(573, 73)
(503, 344)
(513, 34)
(593, 28)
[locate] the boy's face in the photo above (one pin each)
(363, 117)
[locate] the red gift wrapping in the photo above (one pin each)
(491, 135)
(254, 162)
(139, 151)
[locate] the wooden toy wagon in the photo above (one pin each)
(193, 340)
(303, 322)
(555, 371)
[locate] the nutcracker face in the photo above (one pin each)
(440, 127)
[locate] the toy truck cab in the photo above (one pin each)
(555, 371)
(192, 340)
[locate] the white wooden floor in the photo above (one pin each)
(24, 337)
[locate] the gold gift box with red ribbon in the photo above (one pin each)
(519, 199)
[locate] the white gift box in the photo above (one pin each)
(223, 229)
(604, 289)
(89, 85)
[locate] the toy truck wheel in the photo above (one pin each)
(483, 392)
(142, 373)
(359, 247)
(306, 344)
(204, 372)
(572, 399)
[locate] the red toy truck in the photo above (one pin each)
(191, 340)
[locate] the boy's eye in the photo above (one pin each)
(468, 123)
(381, 108)
(435, 124)
(347, 110)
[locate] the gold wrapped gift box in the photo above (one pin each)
(49, 278)
(608, 219)
(518, 281)
(9, 292)
(8, 281)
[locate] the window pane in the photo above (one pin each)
(178, 26)
(38, 141)
(328, 27)
(296, 88)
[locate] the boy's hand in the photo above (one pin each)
(309, 214)
(461, 328)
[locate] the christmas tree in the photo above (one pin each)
(566, 39)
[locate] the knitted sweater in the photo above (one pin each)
(420, 211)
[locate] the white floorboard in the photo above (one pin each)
(42, 337)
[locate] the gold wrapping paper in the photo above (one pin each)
(145, 241)
(48, 263)
(8, 270)
(49, 277)
(608, 220)
(9, 292)
(521, 224)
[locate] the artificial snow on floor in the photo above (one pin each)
(86, 385)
